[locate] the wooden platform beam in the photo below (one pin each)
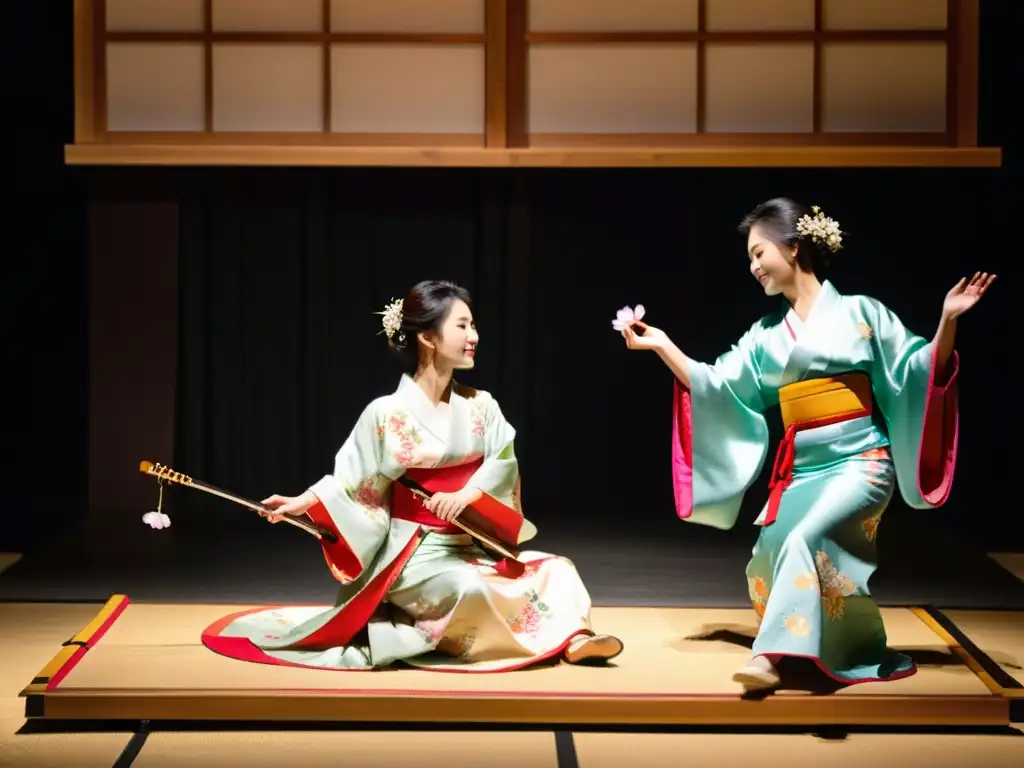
(535, 157)
(521, 709)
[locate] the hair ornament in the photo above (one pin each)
(391, 319)
(821, 229)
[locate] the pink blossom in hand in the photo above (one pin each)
(156, 520)
(627, 315)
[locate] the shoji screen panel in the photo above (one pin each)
(292, 71)
(720, 72)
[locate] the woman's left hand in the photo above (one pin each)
(965, 295)
(449, 506)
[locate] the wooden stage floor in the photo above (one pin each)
(145, 661)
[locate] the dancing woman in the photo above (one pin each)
(415, 588)
(820, 358)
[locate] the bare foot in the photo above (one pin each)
(593, 648)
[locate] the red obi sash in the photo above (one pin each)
(405, 505)
(809, 404)
(486, 516)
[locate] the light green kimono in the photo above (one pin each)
(409, 593)
(808, 577)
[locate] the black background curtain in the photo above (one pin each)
(281, 271)
(548, 254)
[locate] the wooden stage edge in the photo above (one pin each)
(536, 157)
(528, 709)
(45, 700)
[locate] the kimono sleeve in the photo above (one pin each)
(921, 411)
(352, 501)
(499, 471)
(719, 435)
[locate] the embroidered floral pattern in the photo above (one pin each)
(835, 587)
(408, 438)
(798, 625)
(460, 645)
(875, 454)
(870, 526)
(370, 500)
(433, 629)
(528, 621)
(534, 567)
(876, 465)
(807, 580)
(426, 611)
(758, 590)
(476, 418)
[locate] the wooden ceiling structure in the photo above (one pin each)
(528, 83)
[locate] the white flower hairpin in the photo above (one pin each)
(627, 316)
(391, 319)
(821, 229)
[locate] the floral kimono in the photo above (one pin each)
(835, 470)
(414, 588)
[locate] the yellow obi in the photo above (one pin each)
(828, 399)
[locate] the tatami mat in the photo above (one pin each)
(351, 749)
(667, 650)
(1000, 634)
(613, 750)
(30, 634)
(60, 749)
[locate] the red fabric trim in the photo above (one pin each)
(486, 513)
(782, 472)
(940, 435)
(242, 649)
(246, 651)
(343, 627)
(510, 569)
(337, 632)
(774, 658)
(341, 560)
(567, 695)
(90, 643)
(405, 505)
(682, 450)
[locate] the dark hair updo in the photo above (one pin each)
(424, 309)
(778, 217)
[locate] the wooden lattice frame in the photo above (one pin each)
(505, 139)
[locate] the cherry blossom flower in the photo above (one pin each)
(628, 315)
(156, 520)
